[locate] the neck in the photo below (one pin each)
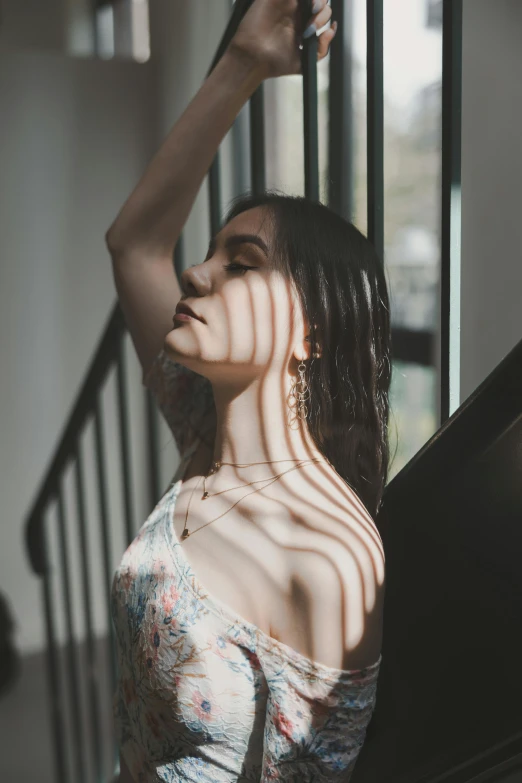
(253, 426)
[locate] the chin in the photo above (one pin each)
(172, 342)
(181, 349)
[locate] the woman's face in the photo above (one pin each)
(253, 319)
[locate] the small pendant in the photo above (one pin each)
(205, 495)
(185, 534)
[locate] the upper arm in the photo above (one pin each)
(316, 723)
(148, 291)
(337, 591)
(317, 717)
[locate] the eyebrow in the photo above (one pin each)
(241, 239)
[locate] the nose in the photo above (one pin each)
(194, 281)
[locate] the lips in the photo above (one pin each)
(183, 308)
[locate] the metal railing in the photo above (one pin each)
(79, 704)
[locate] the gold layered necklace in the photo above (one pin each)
(215, 467)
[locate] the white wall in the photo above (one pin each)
(74, 138)
(491, 301)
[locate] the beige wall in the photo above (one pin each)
(491, 311)
(33, 23)
(74, 138)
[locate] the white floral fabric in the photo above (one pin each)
(204, 695)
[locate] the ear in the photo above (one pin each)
(304, 350)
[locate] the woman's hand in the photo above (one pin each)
(271, 31)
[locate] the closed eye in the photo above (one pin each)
(240, 268)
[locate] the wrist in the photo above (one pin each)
(243, 67)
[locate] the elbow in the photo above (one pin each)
(117, 246)
(121, 245)
(112, 243)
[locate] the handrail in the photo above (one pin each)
(100, 365)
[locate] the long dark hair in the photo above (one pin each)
(342, 288)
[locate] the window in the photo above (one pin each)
(109, 28)
(412, 159)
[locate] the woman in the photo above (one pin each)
(248, 610)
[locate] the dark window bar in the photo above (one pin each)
(257, 140)
(241, 174)
(450, 208)
(214, 195)
(340, 114)
(375, 120)
(414, 346)
(310, 130)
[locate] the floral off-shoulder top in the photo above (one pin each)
(204, 695)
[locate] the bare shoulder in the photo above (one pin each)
(337, 583)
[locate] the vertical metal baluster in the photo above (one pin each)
(214, 195)
(375, 119)
(257, 140)
(106, 544)
(124, 441)
(311, 130)
(241, 152)
(73, 671)
(95, 7)
(240, 134)
(450, 272)
(151, 409)
(340, 109)
(179, 255)
(92, 666)
(53, 668)
(151, 413)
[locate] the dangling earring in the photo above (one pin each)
(299, 395)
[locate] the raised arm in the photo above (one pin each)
(142, 238)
